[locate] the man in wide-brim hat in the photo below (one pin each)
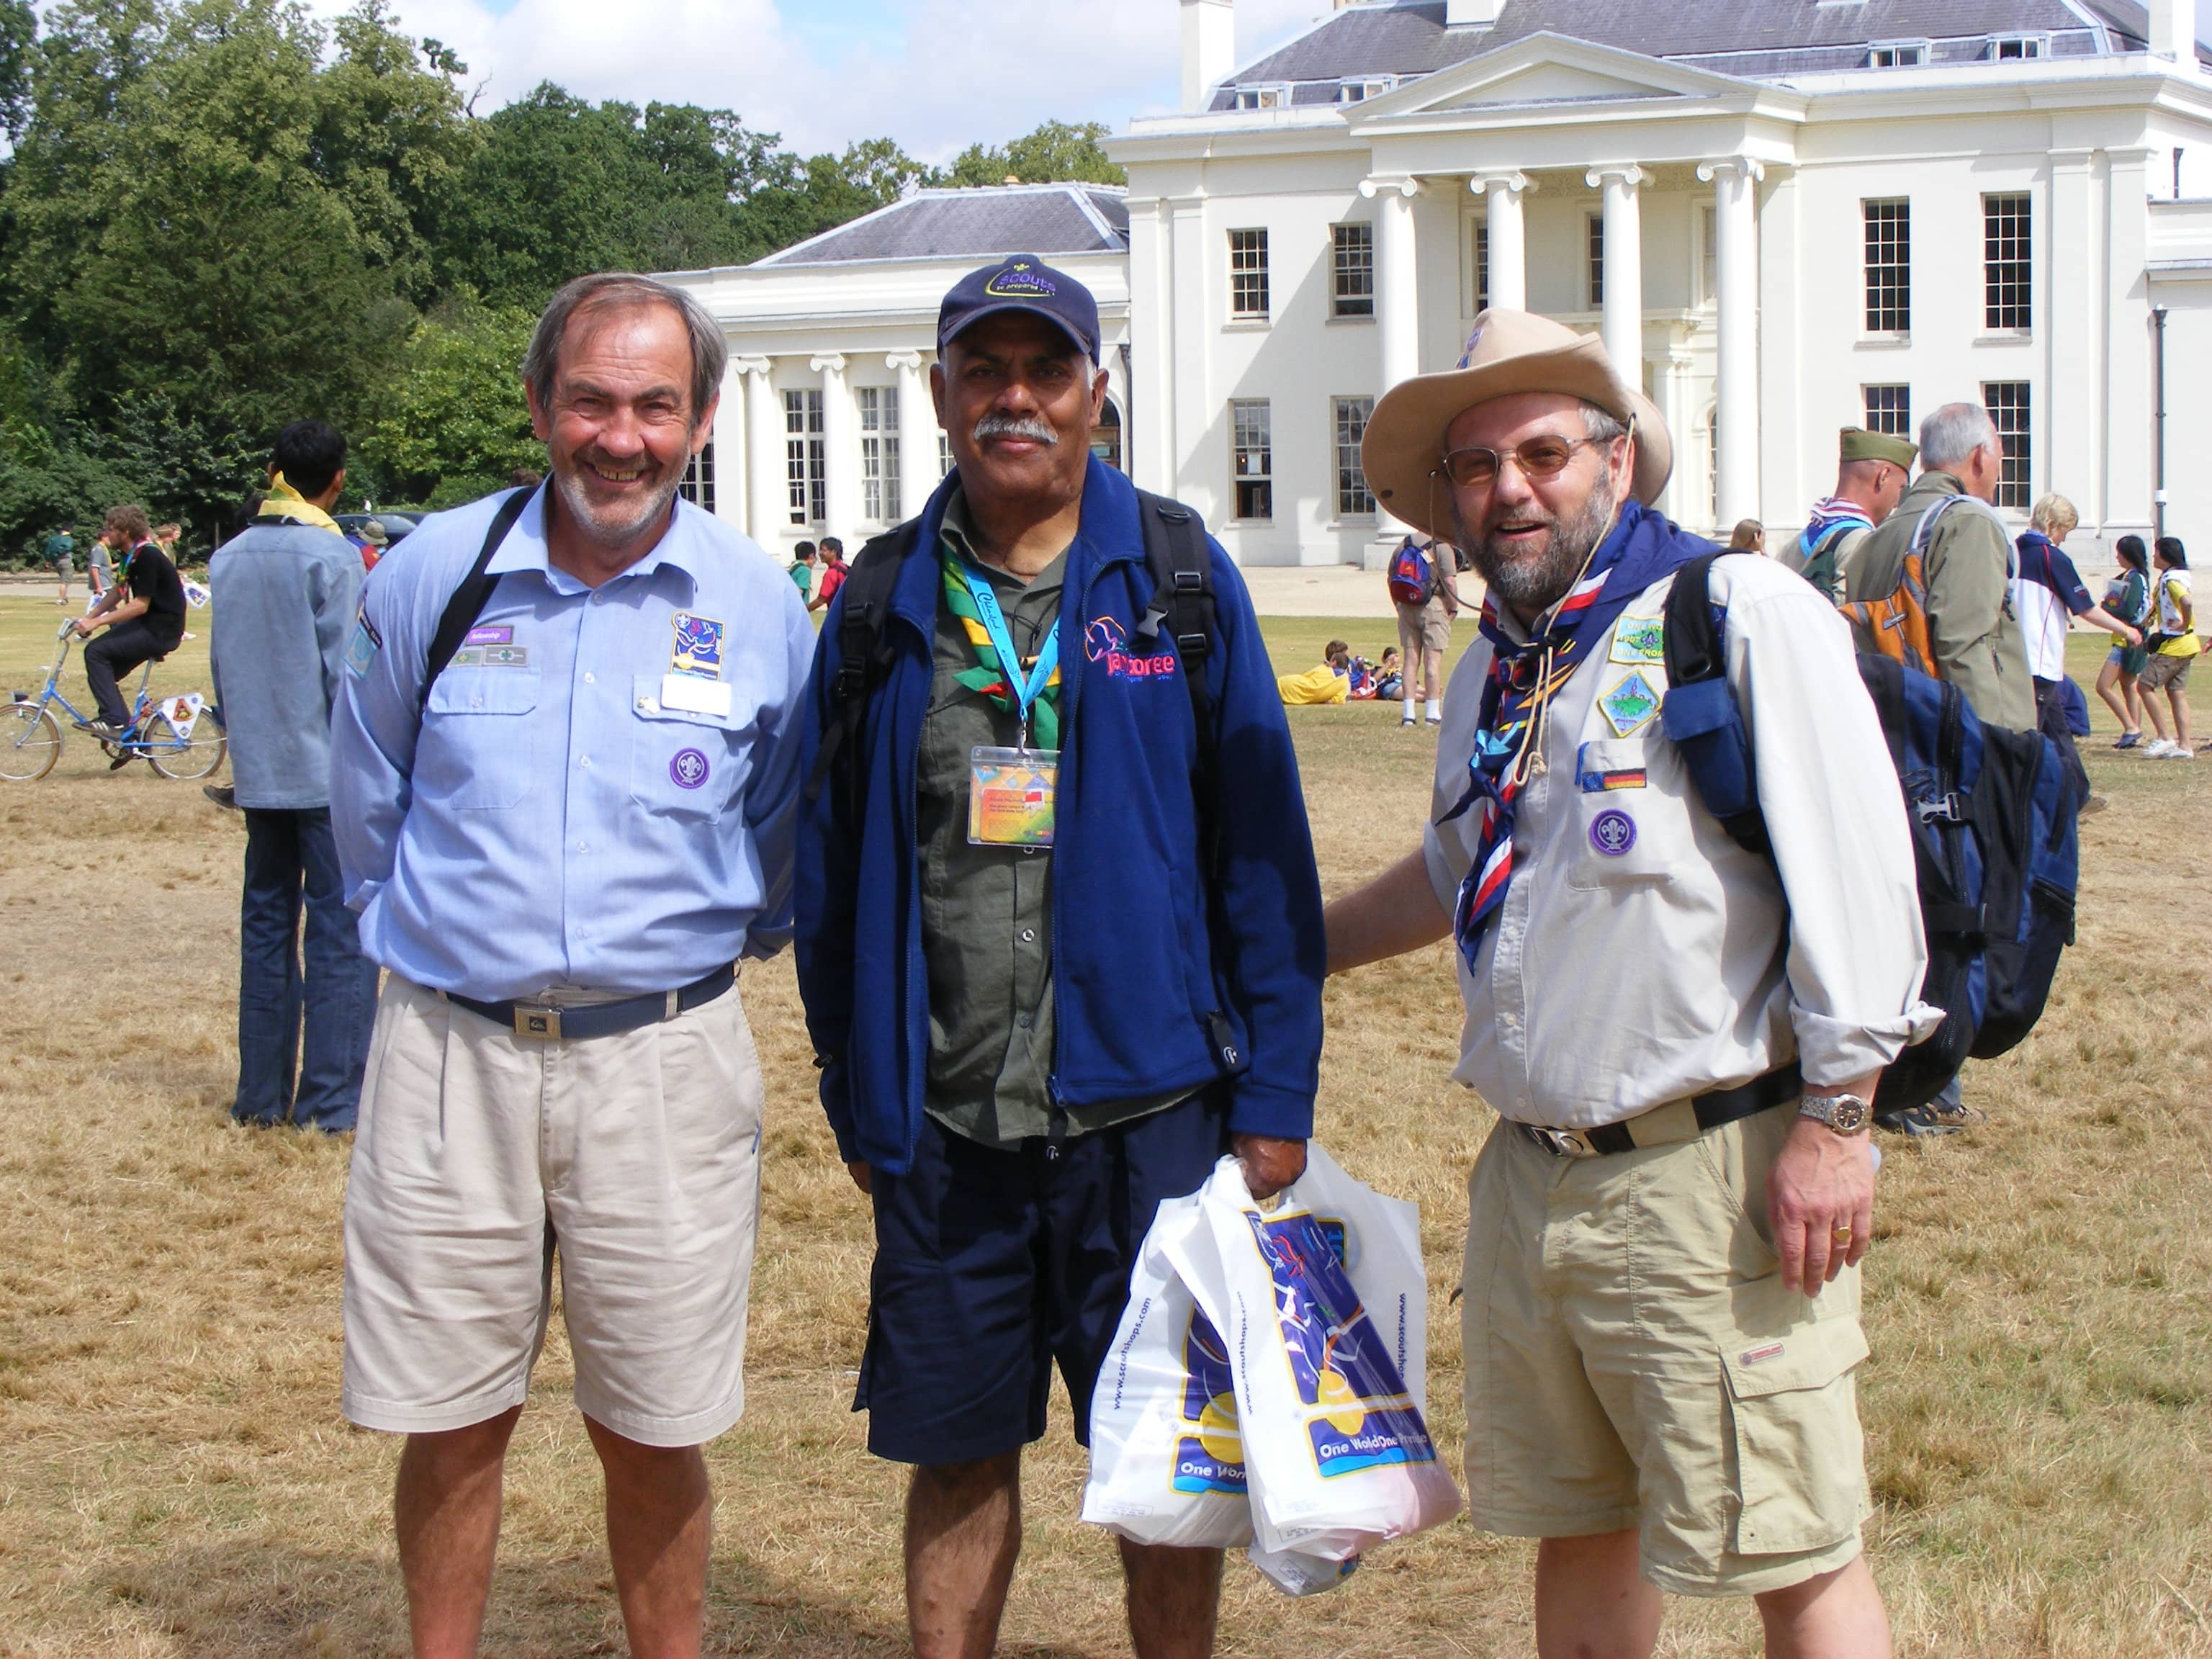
(1681, 1034)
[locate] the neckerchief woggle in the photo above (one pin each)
(1000, 675)
(1524, 678)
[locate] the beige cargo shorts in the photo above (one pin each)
(480, 1152)
(1634, 1362)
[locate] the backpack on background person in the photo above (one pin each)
(1992, 815)
(1412, 574)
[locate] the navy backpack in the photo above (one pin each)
(1993, 813)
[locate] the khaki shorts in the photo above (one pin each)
(2162, 671)
(1423, 628)
(1633, 1361)
(477, 1149)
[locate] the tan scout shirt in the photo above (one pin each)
(1632, 965)
(1968, 562)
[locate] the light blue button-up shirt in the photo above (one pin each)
(574, 806)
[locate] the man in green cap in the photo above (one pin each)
(1872, 469)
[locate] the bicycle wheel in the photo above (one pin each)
(30, 742)
(179, 755)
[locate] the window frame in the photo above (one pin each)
(1901, 54)
(1593, 260)
(1270, 95)
(698, 484)
(2016, 480)
(2034, 47)
(2009, 284)
(806, 458)
(1252, 487)
(1359, 89)
(1250, 277)
(1893, 301)
(1350, 477)
(879, 415)
(1357, 306)
(1895, 422)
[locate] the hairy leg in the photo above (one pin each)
(446, 1512)
(1838, 1615)
(1592, 1601)
(660, 1517)
(964, 1529)
(1175, 1600)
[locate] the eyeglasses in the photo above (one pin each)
(1539, 458)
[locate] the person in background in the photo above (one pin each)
(99, 570)
(1330, 683)
(61, 559)
(2128, 597)
(372, 541)
(832, 573)
(2047, 591)
(1425, 634)
(1390, 675)
(1748, 537)
(166, 537)
(1872, 469)
(143, 614)
(803, 568)
(2174, 648)
(286, 592)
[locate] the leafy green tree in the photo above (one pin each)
(1055, 152)
(19, 30)
(452, 424)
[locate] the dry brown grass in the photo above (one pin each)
(175, 1480)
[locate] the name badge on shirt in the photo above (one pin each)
(685, 695)
(1011, 796)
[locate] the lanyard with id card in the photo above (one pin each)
(1012, 793)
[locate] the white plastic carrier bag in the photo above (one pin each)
(1167, 1462)
(1323, 1303)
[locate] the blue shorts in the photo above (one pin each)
(992, 1266)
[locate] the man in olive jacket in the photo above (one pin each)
(1966, 558)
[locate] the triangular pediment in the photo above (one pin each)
(1552, 68)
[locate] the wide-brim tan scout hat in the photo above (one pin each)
(1509, 352)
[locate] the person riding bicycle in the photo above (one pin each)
(143, 614)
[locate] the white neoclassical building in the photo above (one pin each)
(826, 424)
(1786, 216)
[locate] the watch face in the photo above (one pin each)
(1847, 1115)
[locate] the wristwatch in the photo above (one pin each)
(1845, 1114)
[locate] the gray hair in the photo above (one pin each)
(1603, 425)
(615, 290)
(1950, 436)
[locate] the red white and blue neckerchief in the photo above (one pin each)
(1642, 549)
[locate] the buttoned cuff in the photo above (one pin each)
(1444, 880)
(1833, 1052)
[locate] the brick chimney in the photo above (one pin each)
(1209, 50)
(2173, 29)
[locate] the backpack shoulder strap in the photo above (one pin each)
(1182, 606)
(864, 598)
(469, 600)
(1699, 715)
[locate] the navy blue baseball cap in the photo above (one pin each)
(1022, 282)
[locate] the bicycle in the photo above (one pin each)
(166, 732)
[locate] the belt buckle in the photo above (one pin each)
(538, 1022)
(1559, 1143)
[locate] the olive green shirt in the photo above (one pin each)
(987, 911)
(1968, 565)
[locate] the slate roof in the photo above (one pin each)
(974, 224)
(1753, 38)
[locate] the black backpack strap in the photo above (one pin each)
(1182, 607)
(863, 658)
(470, 598)
(1699, 714)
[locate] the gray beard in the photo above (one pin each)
(1531, 586)
(615, 534)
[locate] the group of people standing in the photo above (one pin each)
(2153, 598)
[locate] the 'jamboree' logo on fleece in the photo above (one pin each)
(1106, 642)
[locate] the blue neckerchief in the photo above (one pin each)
(1642, 547)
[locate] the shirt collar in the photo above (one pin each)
(525, 548)
(959, 530)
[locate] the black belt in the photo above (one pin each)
(598, 1019)
(1712, 1109)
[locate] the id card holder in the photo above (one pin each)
(1011, 796)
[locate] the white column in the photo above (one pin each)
(765, 511)
(1397, 312)
(1508, 236)
(841, 446)
(917, 433)
(1735, 190)
(732, 462)
(1623, 310)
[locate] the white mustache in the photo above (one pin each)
(1015, 426)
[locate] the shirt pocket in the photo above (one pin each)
(477, 747)
(685, 764)
(1624, 827)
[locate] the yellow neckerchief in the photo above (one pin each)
(283, 502)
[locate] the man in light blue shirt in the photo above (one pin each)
(564, 771)
(285, 592)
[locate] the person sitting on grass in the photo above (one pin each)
(1390, 675)
(2127, 597)
(2177, 646)
(1330, 683)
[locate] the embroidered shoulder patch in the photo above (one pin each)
(1629, 706)
(1640, 639)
